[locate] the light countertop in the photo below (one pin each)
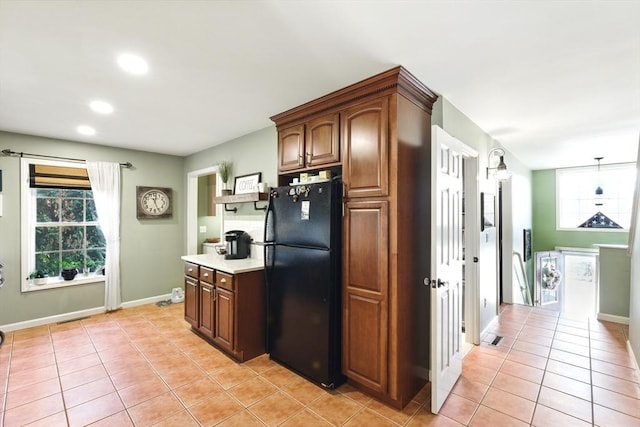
(231, 266)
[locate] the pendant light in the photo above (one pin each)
(599, 190)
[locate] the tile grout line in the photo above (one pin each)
(544, 371)
(59, 377)
(593, 403)
(6, 386)
(497, 371)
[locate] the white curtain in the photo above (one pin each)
(105, 184)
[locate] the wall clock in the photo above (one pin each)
(154, 202)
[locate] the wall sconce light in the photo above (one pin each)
(501, 173)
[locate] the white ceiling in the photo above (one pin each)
(557, 83)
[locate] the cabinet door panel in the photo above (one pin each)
(365, 290)
(322, 143)
(365, 147)
(366, 353)
(224, 313)
(206, 309)
(291, 148)
(191, 301)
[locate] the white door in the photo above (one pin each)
(446, 265)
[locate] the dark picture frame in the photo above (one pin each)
(526, 241)
(487, 211)
(247, 183)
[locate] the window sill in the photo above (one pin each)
(596, 230)
(58, 282)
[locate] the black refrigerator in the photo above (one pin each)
(303, 274)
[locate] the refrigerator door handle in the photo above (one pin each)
(268, 231)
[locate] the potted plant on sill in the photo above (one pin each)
(224, 169)
(89, 264)
(38, 277)
(69, 270)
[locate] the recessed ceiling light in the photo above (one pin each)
(133, 64)
(86, 130)
(101, 107)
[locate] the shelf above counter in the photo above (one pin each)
(242, 198)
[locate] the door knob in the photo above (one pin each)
(441, 283)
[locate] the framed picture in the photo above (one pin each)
(527, 244)
(247, 183)
(487, 211)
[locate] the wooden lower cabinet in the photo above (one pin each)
(207, 310)
(228, 310)
(225, 312)
(191, 297)
(191, 294)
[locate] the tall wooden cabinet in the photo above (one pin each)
(384, 154)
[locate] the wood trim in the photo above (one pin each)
(397, 79)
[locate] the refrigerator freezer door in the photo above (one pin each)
(302, 215)
(303, 329)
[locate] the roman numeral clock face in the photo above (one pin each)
(154, 202)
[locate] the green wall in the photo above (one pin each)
(150, 249)
(254, 152)
(615, 281)
(544, 233)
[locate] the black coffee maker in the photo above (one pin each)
(238, 244)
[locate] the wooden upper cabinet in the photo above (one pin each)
(365, 137)
(291, 148)
(322, 143)
(311, 144)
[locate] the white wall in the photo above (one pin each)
(634, 303)
(517, 216)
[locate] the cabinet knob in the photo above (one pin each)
(190, 270)
(205, 275)
(308, 158)
(223, 280)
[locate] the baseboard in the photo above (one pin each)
(65, 317)
(144, 301)
(633, 356)
(489, 325)
(613, 318)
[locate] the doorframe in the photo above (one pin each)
(192, 205)
(472, 247)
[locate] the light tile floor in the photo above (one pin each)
(142, 366)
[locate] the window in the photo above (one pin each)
(578, 204)
(60, 228)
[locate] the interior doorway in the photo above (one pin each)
(193, 227)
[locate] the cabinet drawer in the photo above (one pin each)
(224, 280)
(191, 270)
(206, 275)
